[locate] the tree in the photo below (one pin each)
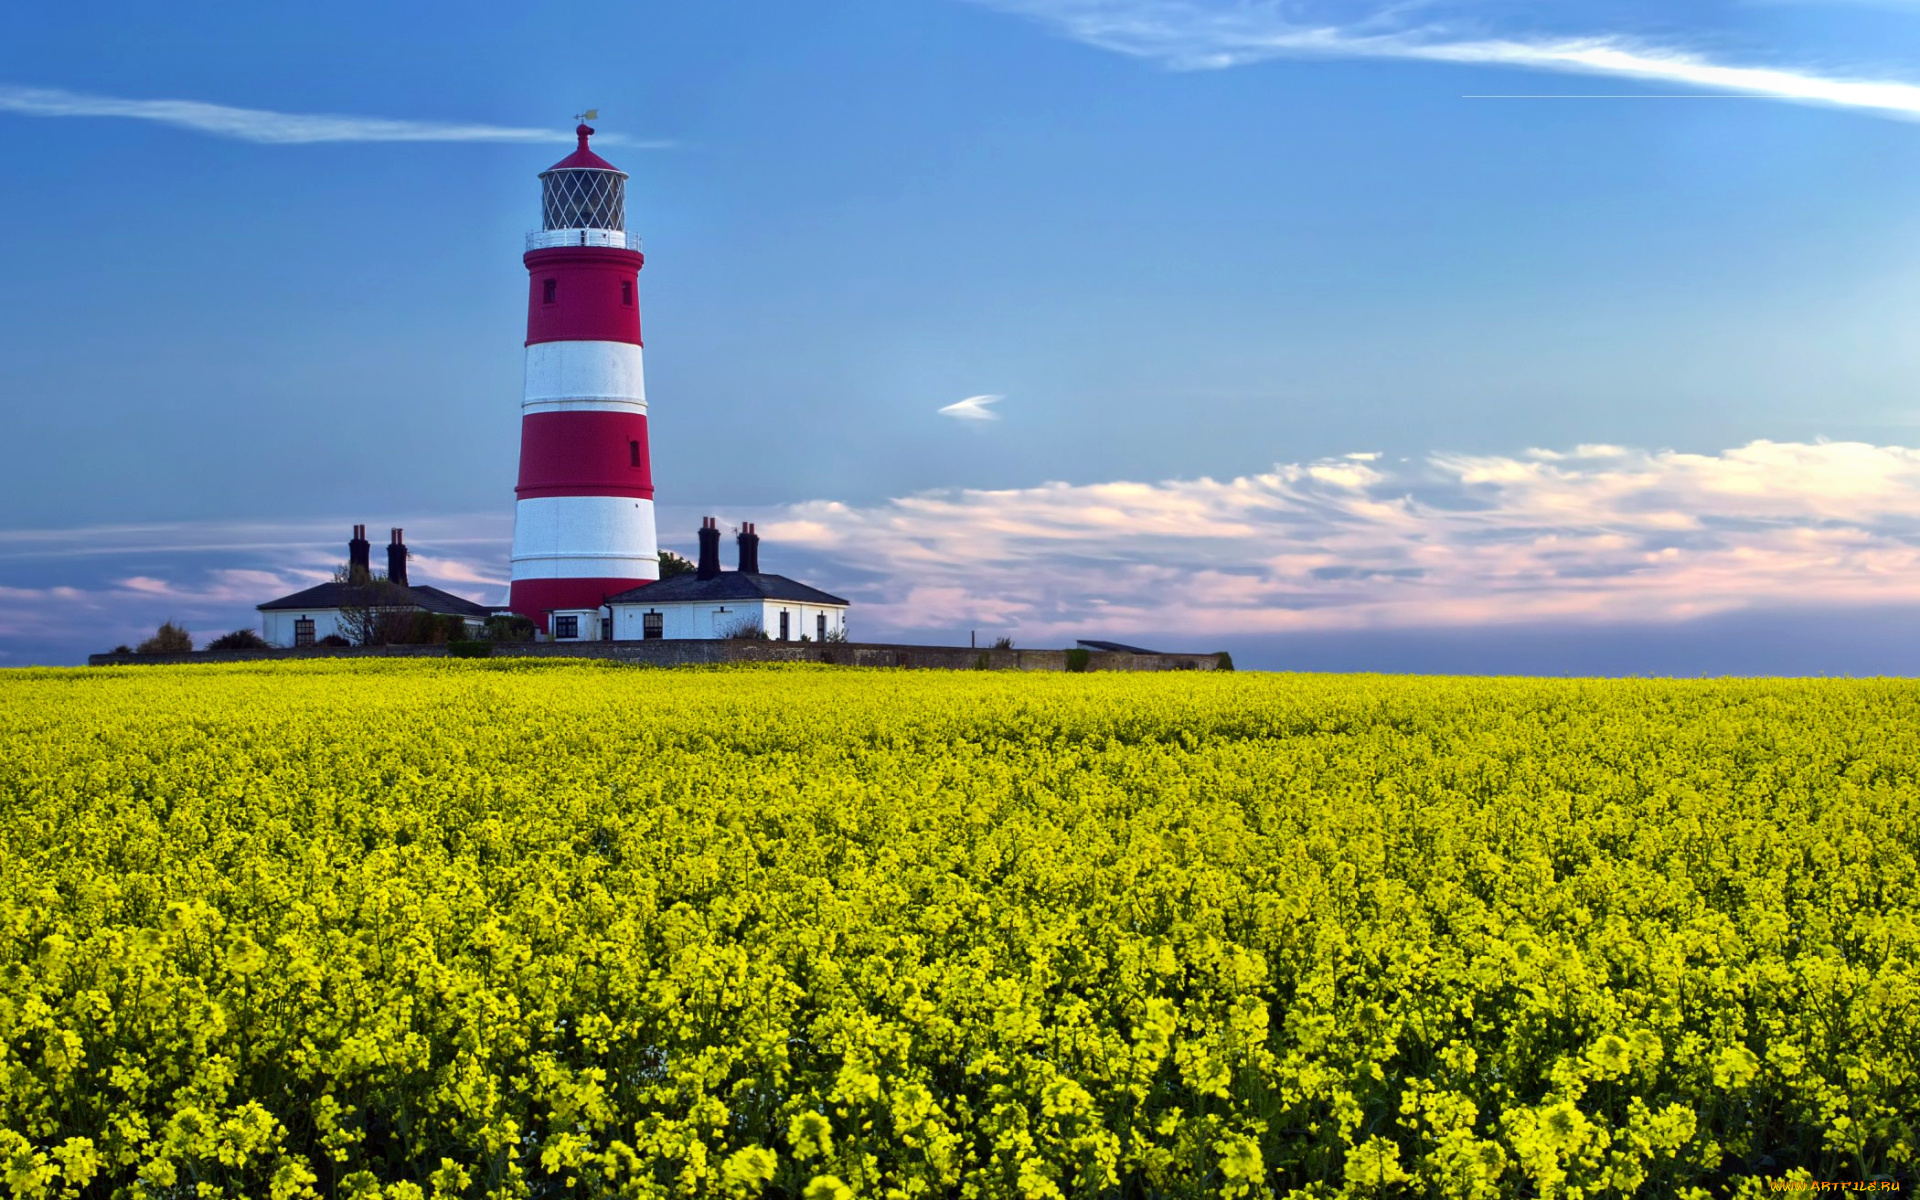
(672, 564)
(170, 638)
(374, 611)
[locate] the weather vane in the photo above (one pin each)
(592, 114)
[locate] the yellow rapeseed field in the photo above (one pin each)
(507, 929)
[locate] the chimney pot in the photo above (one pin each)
(359, 556)
(397, 559)
(709, 565)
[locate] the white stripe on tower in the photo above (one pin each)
(585, 376)
(575, 537)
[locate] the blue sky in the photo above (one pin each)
(1663, 348)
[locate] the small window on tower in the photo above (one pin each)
(626, 293)
(546, 294)
(633, 454)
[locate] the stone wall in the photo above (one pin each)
(702, 653)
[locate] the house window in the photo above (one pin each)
(650, 627)
(626, 293)
(606, 629)
(566, 627)
(546, 294)
(633, 454)
(820, 628)
(303, 631)
(783, 624)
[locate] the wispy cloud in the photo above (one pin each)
(973, 408)
(1201, 34)
(278, 128)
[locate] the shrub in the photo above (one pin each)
(984, 662)
(1223, 661)
(170, 638)
(746, 629)
(239, 639)
(1078, 658)
(333, 639)
(508, 627)
(470, 648)
(1003, 643)
(432, 629)
(122, 648)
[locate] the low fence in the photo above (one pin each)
(706, 653)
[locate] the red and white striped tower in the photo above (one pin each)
(583, 525)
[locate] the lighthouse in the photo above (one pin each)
(583, 519)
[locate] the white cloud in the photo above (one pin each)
(1202, 34)
(262, 125)
(973, 408)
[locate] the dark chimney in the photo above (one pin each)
(709, 548)
(359, 557)
(397, 559)
(749, 550)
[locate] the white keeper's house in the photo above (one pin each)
(309, 617)
(708, 603)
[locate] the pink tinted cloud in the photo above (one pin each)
(1596, 533)
(1592, 534)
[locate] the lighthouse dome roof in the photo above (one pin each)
(582, 159)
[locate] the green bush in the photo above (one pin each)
(509, 627)
(239, 639)
(473, 648)
(1078, 658)
(168, 639)
(1223, 661)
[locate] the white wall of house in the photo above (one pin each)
(803, 620)
(586, 624)
(702, 620)
(280, 627)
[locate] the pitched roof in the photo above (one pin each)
(450, 603)
(727, 585)
(354, 595)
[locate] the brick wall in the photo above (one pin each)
(697, 653)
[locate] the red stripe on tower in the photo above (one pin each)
(583, 523)
(584, 454)
(583, 294)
